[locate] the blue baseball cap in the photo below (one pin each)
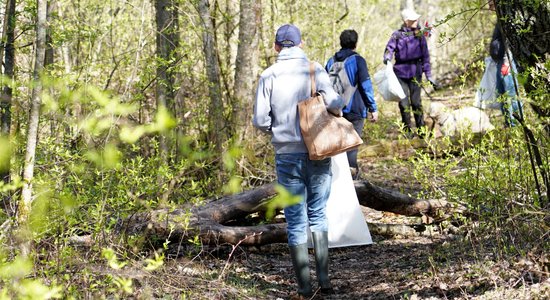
(288, 35)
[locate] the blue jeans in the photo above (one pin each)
(506, 86)
(310, 179)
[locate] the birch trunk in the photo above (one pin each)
(34, 116)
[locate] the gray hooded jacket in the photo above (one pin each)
(280, 88)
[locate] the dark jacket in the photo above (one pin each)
(497, 47)
(356, 67)
(410, 49)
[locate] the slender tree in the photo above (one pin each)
(167, 42)
(227, 45)
(8, 61)
(246, 65)
(34, 115)
(49, 56)
(216, 118)
(7, 54)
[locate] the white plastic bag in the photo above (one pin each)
(486, 94)
(346, 222)
(388, 84)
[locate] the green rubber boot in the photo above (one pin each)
(320, 246)
(300, 262)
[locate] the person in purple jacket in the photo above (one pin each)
(409, 47)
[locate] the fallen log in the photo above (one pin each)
(209, 221)
(382, 199)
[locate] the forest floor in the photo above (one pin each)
(441, 262)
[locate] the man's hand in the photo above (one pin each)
(373, 116)
(434, 84)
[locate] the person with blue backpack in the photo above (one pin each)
(356, 88)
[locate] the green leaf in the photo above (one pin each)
(17, 268)
(163, 121)
(153, 264)
(109, 158)
(234, 185)
(110, 255)
(131, 135)
(5, 154)
(35, 290)
(283, 199)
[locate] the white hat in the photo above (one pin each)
(409, 14)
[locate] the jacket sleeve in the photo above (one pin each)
(262, 105)
(390, 47)
(366, 90)
(426, 66)
(496, 47)
(333, 101)
(329, 63)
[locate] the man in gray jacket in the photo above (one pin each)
(280, 88)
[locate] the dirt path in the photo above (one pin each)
(443, 262)
(439, 263)
(435, 265)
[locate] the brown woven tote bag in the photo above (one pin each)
(324, 134)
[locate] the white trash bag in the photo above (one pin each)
(486, 94)
(388, 84)
(346, 222)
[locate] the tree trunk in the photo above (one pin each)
(7, 54)
(53, 118)
(34, 117)
(167, 41)
(7, 57)
(228, 44)
(526, 25)
(378, 198)
(245, 66)
(216, 118)
(212, 222)
(49, 55)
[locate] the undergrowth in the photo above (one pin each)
(507, 216)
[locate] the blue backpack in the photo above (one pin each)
(340, 80)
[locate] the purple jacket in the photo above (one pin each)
(410, 49)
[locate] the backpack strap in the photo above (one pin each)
(356, 81)
(312, 78)
(344, 65)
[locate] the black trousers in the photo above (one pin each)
(358, 124)
(411, 103)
